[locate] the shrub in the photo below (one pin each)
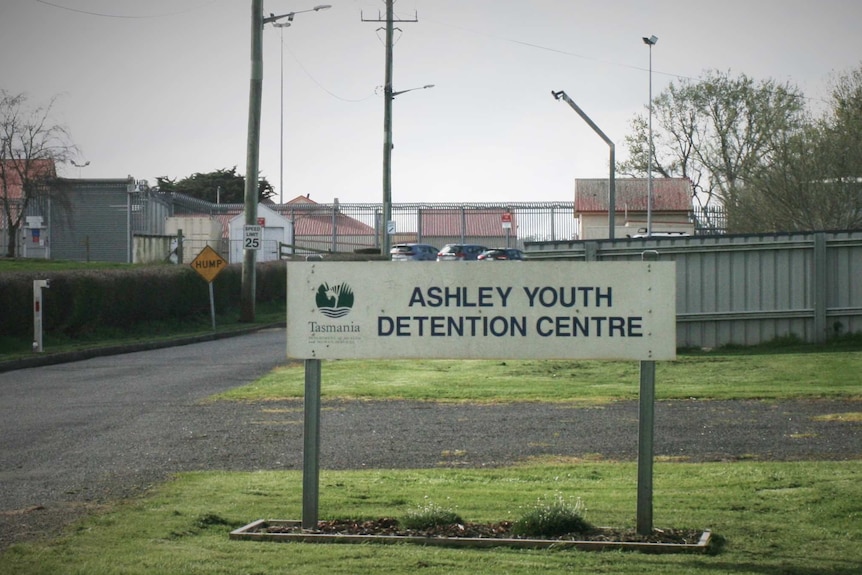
(79, 302)
(430, 515)
(552, 518)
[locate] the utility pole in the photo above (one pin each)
(248, 287)
(387, 122)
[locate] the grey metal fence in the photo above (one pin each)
(747, 290)
(348, 227)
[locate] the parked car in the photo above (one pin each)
(460, 252)
(501, 254)
(413, 252)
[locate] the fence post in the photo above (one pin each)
(180, 247)
(820, 287)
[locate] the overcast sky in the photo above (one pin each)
(160, 88)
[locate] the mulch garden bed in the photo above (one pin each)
(387, 530)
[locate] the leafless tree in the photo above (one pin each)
(31, 145)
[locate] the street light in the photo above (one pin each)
(650, 42)
(612, 186)
(425, 87)
(389, 94)
(79, 166)
(281, 26)
(273, 18)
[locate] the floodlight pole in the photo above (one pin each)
(612, 200)
(650, 42)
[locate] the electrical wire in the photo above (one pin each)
(122, 16)
(318, 84)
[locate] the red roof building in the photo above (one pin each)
(11, 187)
(671, 206)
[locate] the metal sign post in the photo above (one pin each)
(209, 264)
(646, 420)
(311, 445)
(646, 434)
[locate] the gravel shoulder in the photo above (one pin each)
(47, 491)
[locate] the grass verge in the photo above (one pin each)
(716, 375)
(791, 518)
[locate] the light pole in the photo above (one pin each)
(612, 185)
(281, 26)
(650, 42)
(389, 95)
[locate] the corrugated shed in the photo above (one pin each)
(669, 195)
(477, 223)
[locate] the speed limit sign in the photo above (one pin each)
(252, 237)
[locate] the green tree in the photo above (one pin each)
(223, 186)
(815, 184)
(718, 132)
(30, 147)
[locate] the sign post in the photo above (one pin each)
(506, 220)
(541, 310)
(209, 264)
(311, 445)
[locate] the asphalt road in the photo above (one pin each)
(78, 434)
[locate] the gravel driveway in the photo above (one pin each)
(81, 434)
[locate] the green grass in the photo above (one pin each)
(774, 518)
(715, 375)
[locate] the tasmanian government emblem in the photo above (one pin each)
(334, 301)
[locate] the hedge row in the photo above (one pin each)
(78, 301)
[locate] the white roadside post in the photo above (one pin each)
(38, 286)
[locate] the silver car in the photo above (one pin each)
(413, 253)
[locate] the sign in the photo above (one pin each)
(506, 218)
(208, 263)
(390, 227)
(472, 310)
(252, 237)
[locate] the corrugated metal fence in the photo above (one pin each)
(747, 290)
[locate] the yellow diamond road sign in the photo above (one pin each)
(208, 264)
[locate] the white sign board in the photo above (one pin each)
(480, 310)
(252, 237)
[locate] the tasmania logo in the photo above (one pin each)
(334, 301)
